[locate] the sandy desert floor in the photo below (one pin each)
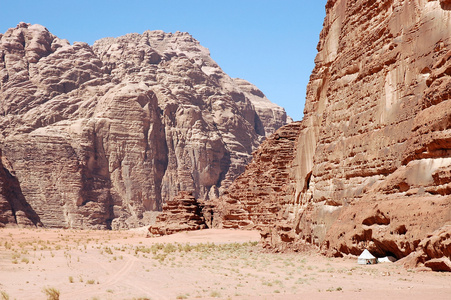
(208, 264)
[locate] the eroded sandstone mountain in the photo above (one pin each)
(96, 136)
(372, 160)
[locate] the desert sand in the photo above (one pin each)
(207, 264)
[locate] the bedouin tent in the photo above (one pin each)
(366, 258)
(386, 259)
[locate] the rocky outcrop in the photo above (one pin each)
(371, 168)
(433, 252)
(257, 197)
(98, 135)
(437, 244)
(13, 207)
(442, 264)
(182, 213)
(378, 99)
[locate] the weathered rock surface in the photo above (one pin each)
(378, 97)
(439, 264)
(257, 197)
(13, 207)
(433, 252)
(182, 213)
(98, 135)
(270, 115)
(372, 162)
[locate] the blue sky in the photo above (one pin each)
(271, 43)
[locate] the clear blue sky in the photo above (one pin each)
(271, 43)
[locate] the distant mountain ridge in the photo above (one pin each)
(97, 136)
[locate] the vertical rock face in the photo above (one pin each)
(372, 161)
(96, 136)
(377, 109)
(270, 115)
(13, 207)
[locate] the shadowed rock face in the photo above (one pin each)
(13, 207)
(98, 135)
(372, 162)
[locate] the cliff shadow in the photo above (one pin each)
(258, 125)
(19, 206)
(225, 166)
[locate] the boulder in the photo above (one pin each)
(439, 264)
(182, 213)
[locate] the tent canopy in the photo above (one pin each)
(366, 255)
(366, 258)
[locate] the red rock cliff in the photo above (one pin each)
(372, 166)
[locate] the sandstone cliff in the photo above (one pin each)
(98, 135)
(13, 207)
(371, 167)
(257, 197)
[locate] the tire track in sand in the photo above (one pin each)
(112, 281)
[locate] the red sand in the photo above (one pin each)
(115, 265)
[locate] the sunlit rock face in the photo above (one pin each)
(378, 109)
(372, 166)
(96, 136)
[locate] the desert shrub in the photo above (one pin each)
(52, 293)
(142, 249)
(215, 294)
(169, 248)
(108, 250)
(4, 295)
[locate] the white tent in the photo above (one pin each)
(366, 258)
(386, 259)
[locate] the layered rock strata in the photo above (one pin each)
(376, 108)
(257, 197)
(270, 114)
(14, 209)
(372, 161)
(98, 135)
(182, 213)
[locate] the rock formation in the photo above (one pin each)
(98, 135)
(372, 163)
(377, 117)
(13, 207)
(182, 213)
(270, 115)
(257, 197)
